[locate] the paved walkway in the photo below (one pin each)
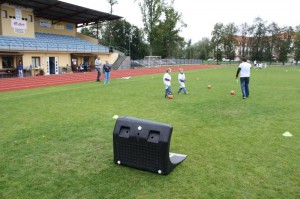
(15, 83)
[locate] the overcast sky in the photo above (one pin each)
(201, 16)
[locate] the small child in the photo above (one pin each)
(167, 82)
(181, 80)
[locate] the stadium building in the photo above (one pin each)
(43, 35)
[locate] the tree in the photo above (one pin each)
(258, 40)
(273, 31)
(284, 44)
(166, 34)
(202, 49)
(216, 41)
(219, 55)
(87, 31)
(151, 12)
(244, 49)
(297, 44)
(139, 48)
(229, 40)
(125, 38)
(189, 51)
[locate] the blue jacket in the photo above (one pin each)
(20, 66)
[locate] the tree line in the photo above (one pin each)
(160, 36)
(260, 41)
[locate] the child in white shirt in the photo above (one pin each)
(167, 82)
(181, 80)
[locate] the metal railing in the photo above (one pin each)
(60, 47)
(164, 62)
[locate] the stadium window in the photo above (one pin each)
(36, 62)
(7, 62)
(30, 18)
(4, 13)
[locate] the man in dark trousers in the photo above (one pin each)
(85, 66)
(244, 72)
(98, 68)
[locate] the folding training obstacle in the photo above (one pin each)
(144, 144)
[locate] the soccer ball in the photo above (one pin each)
(170, 96)
(232, 93)
(209, 86)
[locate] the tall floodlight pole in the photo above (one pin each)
(129, 40)
(112, 3)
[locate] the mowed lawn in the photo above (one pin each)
(57, 142)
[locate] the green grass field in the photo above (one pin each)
(56, 142)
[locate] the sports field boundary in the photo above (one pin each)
(16, 83)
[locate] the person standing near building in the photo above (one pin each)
(20, 69)
(244, 72)
(106, 69)
(181, 80)
(98, 68)
(167, 82)
(85, 65)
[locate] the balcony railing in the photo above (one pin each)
(60, 47)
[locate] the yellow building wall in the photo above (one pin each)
(45, 26)
(63, 28)
(1, 20)
(36, 25)
(111, 57)
(88, 38)
(6, 23)
(63, 59)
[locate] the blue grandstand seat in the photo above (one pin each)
(47, 41)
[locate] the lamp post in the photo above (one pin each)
(129, 35)
(129, 41)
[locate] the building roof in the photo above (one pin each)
(58, 11)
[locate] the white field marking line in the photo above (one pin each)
(41, 93)
(281, 88)
(45, 92)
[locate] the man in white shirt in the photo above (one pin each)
(167, 82)
(98, 68)
(244, 72)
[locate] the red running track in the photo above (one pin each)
(15, 83)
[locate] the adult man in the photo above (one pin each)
(244, 71)
(167, 82)
(98, 68)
